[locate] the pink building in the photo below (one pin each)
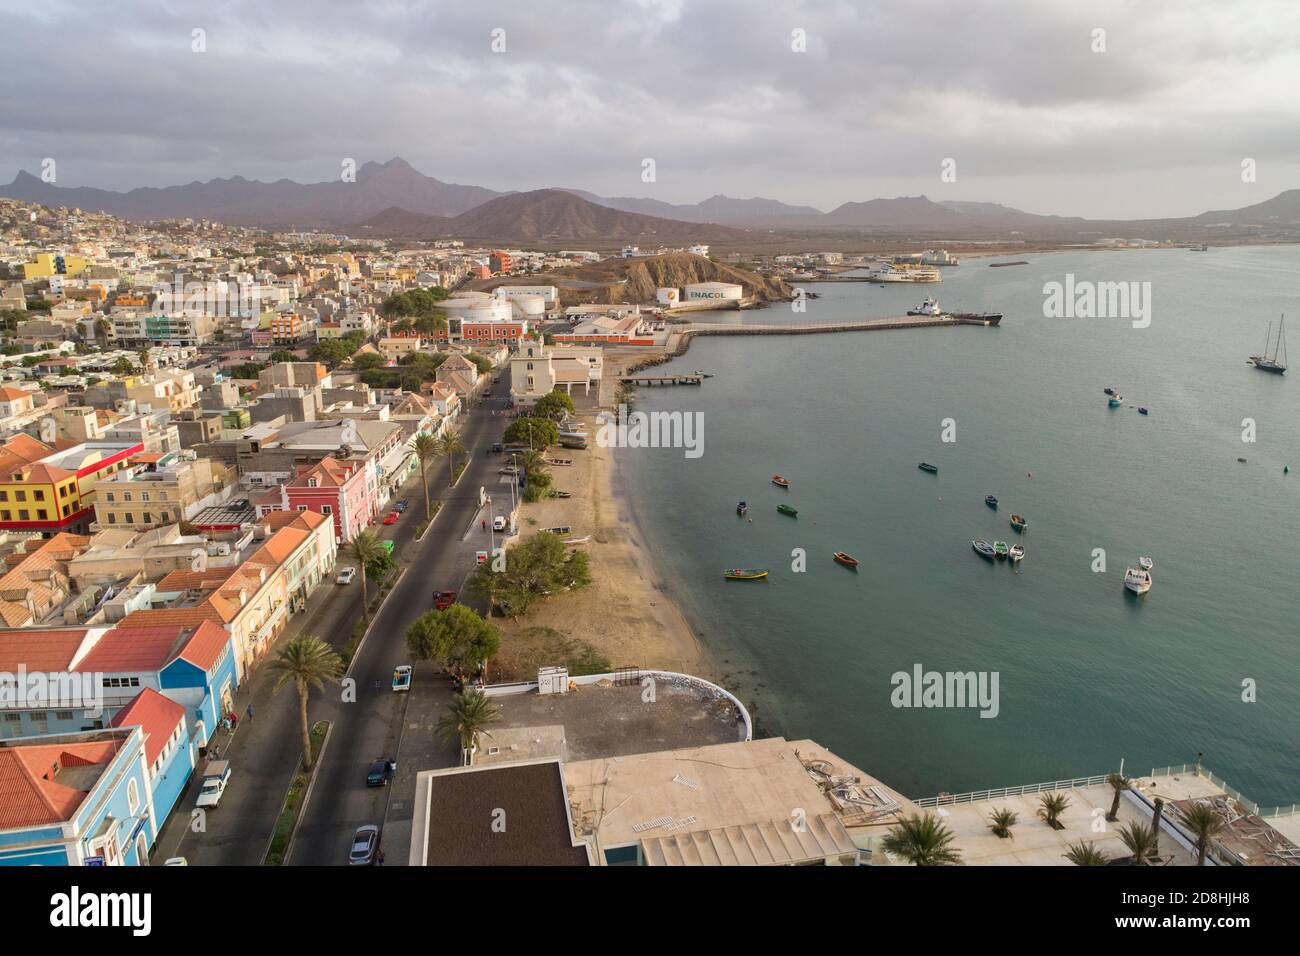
(333, 488)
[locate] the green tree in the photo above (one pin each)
(456, 636)
(922, 841)
(449, 446)
(466, 719)
(481, 362)
(426, 448)
(1052, 806)
(537, 566)
(367, 549)
(369, 360)
(282, 355)
(1002, 821)
(1204, 823)
(308, 662)
(123, 366)
(555, 405)
(1085, 854)
(532, 431)
(1140, 840)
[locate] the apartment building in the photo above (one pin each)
(159, 490)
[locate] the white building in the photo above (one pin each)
(720, 292)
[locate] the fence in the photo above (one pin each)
(974, 796)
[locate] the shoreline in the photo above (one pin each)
(624, 616)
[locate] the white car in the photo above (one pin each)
(346, 576)
(499, 523)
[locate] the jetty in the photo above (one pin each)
(694, 378)
(680, 339)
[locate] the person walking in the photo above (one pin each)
(249, 712)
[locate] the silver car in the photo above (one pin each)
(365, 844)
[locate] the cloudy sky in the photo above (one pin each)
(713, 90)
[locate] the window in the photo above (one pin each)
(109, 496)
(63, 715)
(302, 507)
(132, 795)
(41, 514)
(148, 518)
(326, 510)
(20, 496)
(112, 518)
(24, 515)
(4, 496)
(144, 496)
(38, 495)
(126, 496)
(128, 518)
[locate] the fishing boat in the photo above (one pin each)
(1145, 563)
(1263, 362)
(561, 494)
(926, 466)
(1114, 401)
(1137, 580)
(846, 559)
(1019, 522)
(1199, 247)
(742, 508)
(984, 549)
(1109, 391)
(1016, 553)
(744, 574)
(780, 482)
(991, 500)
(787, 510)
(558, 461)
(1142, 410)
(1000, 550)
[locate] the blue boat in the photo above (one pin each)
(991, 500)
(741, 508)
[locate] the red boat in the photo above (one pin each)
(780, 482)
(846, 559)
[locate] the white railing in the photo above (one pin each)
(975, 796)
(1250, 805)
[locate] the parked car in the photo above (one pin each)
(402, 677)
(346, 576)
(216, 776)
(388, 546)
(392, 517)
(443, 600)
(365, 844)
(402, 505)
(499, 523)
(497, 447)
(380, 772)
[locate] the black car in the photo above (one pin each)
(380, 772)
(402, 505)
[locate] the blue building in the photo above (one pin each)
(76, 799)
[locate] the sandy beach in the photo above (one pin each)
(624, 616)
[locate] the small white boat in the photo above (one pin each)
(1137, 580)
(928, 307)
(1145, 563)
(1016, 553)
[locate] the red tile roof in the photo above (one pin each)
(39, 650)
(133, 649)
(156, 715)
(205, 645)
(30, 791)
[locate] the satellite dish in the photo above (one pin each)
(349, 435)
(198, 560)
(49, 430)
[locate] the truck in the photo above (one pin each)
(216, 776)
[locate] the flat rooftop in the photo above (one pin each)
(606, 720)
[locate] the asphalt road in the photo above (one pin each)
(369, 728)
(264, 752)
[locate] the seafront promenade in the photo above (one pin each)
(679, 340)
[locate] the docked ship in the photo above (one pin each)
(1263, 362)
(897, 271)
(929, 307)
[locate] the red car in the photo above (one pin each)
(443, 600)
(392, 518)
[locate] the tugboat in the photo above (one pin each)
(928, 307)
(742, 508)
(991, 501)
(984, 549)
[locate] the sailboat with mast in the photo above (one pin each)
(1263, 362)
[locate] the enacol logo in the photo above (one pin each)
(75, 909)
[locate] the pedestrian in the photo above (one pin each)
(250, 712)
(484, 523)
(381, 857)
(234, 722)
(216, 753)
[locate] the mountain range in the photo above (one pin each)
(395, 200)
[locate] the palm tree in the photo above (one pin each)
(1155, 823)
(308, 662)
(533, 462)
(366, 548)
(1002, 821)
(1119, 783)
(1140, 840)
(922, 841)
(1205, 824)
(1085, 854)
(450, 445)
(426, 449)
(467, 716)
(1053, 805)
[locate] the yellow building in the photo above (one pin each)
(44, 487)
(48, 264)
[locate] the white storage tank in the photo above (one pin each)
(668, 297)
(526, 306)
(714, 292)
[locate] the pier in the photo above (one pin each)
(680, 340)
(694, 378)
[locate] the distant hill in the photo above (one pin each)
(1282, 209)
(720, 209)
(543, 216)
(905, 211)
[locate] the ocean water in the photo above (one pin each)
(1088, 674)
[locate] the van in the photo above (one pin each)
(499, 523)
